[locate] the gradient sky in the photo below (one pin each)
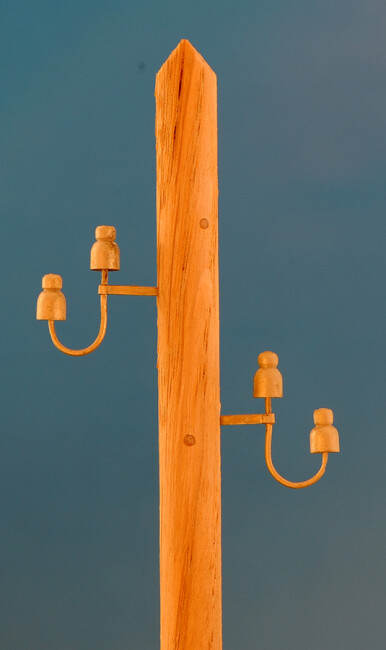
(302, 166)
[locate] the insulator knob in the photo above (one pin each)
(324, 437)
(105, 252)
(51, 303)
(268, 381)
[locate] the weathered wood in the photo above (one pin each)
(188, 353)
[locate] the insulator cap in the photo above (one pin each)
(105, 251)
(324, 437)
(268, 381)
(52, 281)
(51, 303)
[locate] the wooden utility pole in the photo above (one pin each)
(188, 353)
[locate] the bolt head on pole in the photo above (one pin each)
(268, 381)
(324, 437)
(51, 303)
(105, 252)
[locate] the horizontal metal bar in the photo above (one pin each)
(257, 418)
(121, 290)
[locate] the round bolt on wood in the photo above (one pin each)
(189, 440)
(204, 223)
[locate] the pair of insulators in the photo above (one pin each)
(268, 382)
(104, 257)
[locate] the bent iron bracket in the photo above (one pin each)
(105, 257)
(324, 438)
(90, 348)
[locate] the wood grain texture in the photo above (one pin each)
(188, 353)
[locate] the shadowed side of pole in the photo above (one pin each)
(188, 353)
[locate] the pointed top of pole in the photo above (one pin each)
(184, 52)
(186, 111)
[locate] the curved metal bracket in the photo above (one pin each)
(268, 458)
(90, 348)
(281, 479)
(324, 438)
(51, 305)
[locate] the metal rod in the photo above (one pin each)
(258, 418)
(122, 290)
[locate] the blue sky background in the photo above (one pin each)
(302, 166)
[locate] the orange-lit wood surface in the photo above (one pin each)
(188, 353)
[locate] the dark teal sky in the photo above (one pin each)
(302, 165)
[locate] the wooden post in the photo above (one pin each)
(188, 353)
